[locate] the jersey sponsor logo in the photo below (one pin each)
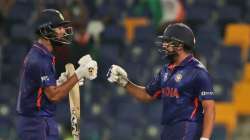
(60, 15)
(205, 93)
(170, 92)
(45, 78)
(178, 77)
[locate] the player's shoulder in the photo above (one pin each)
(199, 68)
(201, 71)
(38, 52)
(198, 65)
(36, 57)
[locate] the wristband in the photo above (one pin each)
(202, 138)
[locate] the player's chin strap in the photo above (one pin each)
(202, 138)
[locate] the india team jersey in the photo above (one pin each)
(38, 72)
(181, 89)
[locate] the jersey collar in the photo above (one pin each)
(188, 59)
(43, 49)
(183, 63)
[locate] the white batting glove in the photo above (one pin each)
(64, 77)
(85, 59)
(87, 71)
(202, 138)
(117, 74)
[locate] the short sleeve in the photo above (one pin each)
(204, 85)
(47, 74)
(153, 88)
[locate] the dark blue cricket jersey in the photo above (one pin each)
(38, 72)
(181, 90)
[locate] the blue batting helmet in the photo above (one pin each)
(179, 32)
(50, 19)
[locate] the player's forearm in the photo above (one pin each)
(208, 122)
(138, 92)
(59, 92)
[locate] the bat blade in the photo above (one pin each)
(74, 102)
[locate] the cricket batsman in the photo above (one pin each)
(39, 89)
(184, 87)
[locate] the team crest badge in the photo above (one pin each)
(60, 15)
(178, 77)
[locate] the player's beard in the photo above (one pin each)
(63, 40)
(56, 43)
(171, 56)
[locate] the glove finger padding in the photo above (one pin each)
(113, 78)
(119, 71)
(85, 60)
(118, 75)
(87, 69)
(63, 78)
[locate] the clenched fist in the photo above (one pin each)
(87, 69)
(117, 74)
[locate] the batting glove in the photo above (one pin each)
(118, 75)
(85, 59)
(64, 77)
(87, 71)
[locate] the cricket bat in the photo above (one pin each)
(74, 102)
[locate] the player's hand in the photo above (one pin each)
(117, 74)
(87, 69)
(64, 77)
(85, 59)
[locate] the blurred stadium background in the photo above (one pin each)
(123, 32)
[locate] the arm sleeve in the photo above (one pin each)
(47, 74)
(153, 88)
(204, 86)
